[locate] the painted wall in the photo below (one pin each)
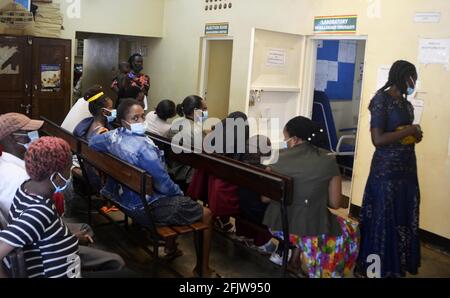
(392, 35)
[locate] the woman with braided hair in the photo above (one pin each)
(390, 210)
(325, 245)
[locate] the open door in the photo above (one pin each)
(275, 76)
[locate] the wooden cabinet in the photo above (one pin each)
(35, 76)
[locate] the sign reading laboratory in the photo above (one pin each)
(216, 29)
(335, 24)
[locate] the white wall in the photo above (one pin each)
(392, 35)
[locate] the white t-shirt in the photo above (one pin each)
(156, 125)
(78, 112)
(13, 173)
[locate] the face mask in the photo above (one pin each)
(111, 117)
(59, 189)
(284, 144)
(32, 135)
(410, 91)
(138, 128)
(205, 116)
(138, 68)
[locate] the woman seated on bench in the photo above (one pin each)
(192, 111)
(50, 250)
(168, 204)
(156, 121)
(103, 114)
(326, 245)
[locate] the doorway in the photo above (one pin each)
(216, 75)
(337, 70)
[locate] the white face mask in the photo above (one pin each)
(59, 189)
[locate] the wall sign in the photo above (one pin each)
(335, 24)
(216, 29)
(427, 17)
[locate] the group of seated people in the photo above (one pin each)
(322, 244)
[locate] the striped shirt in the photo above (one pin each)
(50, 250)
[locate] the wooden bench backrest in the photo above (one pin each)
(273, 185)
(123, 172)
(52, 129)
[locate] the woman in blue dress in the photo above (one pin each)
(389, 219)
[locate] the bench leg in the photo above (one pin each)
(198, 239)
(126, 221)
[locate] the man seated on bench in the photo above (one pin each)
(168, 204)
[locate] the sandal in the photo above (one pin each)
(227, 227)
(172, 255)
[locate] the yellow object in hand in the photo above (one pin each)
(407, 140)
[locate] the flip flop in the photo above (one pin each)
(170, 256)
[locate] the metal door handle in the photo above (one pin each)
(27, 108)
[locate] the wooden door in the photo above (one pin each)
(15, 74)
(51, 78)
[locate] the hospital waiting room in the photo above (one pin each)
(224, 139)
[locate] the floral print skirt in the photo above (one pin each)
(328, 256)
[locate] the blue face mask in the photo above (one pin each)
(410, 91)
(284, 144)
(138, 128)
(111, 117)
(59, 189)
(32, 135)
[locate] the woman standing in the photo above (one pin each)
(390, 211)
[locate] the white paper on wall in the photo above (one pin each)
(276, 57)
(321, 82)
(333, 68)
(434, 51)
(383, 75)
(427, 17)
(418, 105)
(321, 75)
(347, 51)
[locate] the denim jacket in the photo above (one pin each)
(143, 153)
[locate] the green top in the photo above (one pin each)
(312, 170)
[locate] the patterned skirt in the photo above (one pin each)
(328, 256)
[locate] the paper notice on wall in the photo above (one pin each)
(383, 75)
(321, 82)
(333, 70)
(434, 51)
(347, 51)
(321, 75)
(8, 61)
(276, 57)
(418, 105)
(427, 17)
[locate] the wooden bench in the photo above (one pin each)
(270, 184)
(135, 179)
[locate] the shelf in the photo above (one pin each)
(275, 89)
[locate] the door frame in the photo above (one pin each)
(204, 61)
(307, 97)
